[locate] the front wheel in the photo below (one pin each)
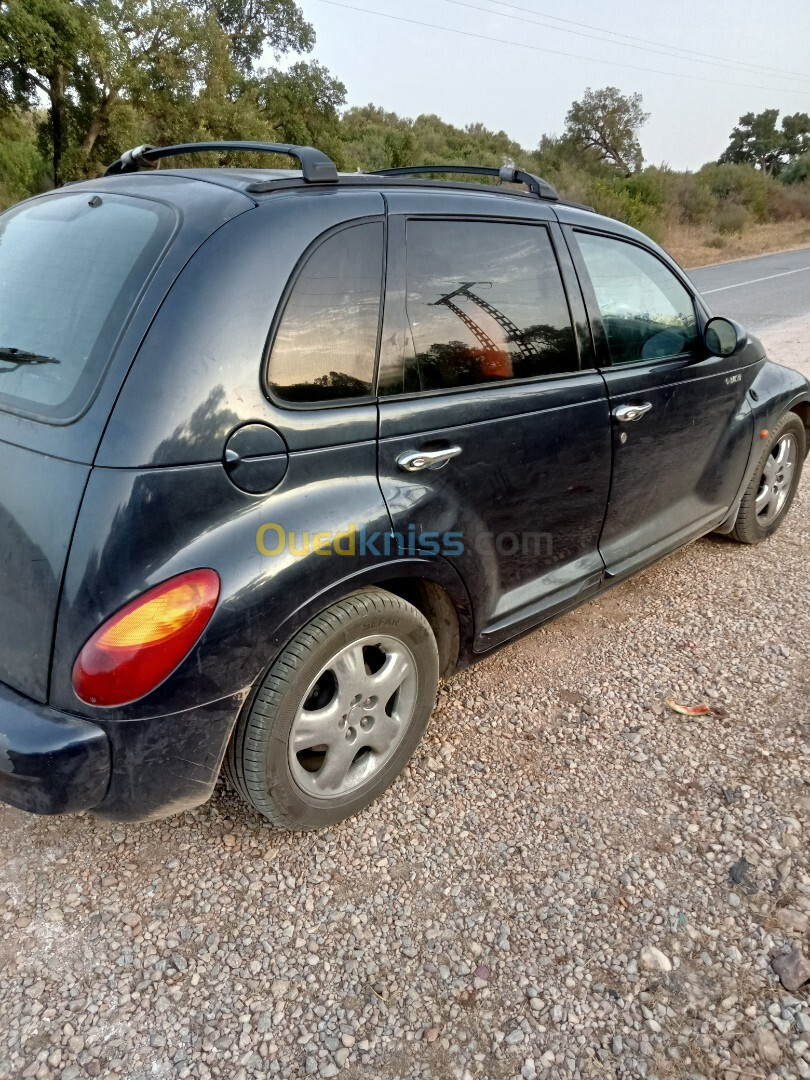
(774, 483)
(339, 714)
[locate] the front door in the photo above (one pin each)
(682, 427)
(494, 442)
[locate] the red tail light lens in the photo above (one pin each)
(136, 649)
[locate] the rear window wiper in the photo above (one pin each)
(17, 357)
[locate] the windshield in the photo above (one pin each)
(71, 268)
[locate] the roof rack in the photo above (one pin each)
(507, 174)
(316, 167)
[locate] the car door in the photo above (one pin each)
(494, 430)
(682, 427)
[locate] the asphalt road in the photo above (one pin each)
(760, 292)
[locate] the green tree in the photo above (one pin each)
(759, 142)
(40, 44)
(113, 71)
(606, 123)
(798, 172)
(23, 170)
(301, 105)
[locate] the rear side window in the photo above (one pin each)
(71, 268)
(485, 304)
(326, 343)
(646, 311)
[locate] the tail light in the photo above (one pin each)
(135, 650)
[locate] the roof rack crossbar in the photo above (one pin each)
(507, 174)
(316, 167)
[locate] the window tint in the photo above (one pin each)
(71, 268)
(647, 312)
(327, 340)
(485, 303)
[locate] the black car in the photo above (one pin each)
(280, 449)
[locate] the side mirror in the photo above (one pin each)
(724, 337)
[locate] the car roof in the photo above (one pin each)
(259, 185)
(318, 172)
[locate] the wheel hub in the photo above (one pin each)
(777, 478)
(353, 716)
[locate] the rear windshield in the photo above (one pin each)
(71, 269)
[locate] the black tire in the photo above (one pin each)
(257, 761)
(749, 528)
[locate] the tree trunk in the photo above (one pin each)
(99, 122)
(57, 94)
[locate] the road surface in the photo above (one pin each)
(759, 293)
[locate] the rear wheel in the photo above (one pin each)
(774, 483)
(339, 714)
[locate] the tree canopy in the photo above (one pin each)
(757, 140)
(605, 123)
(110, 72)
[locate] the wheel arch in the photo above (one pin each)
(433, 586)
(802, 410)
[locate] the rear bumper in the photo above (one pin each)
(127, 770)
(50, 762)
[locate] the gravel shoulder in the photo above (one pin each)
(555, 887)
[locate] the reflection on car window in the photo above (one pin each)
(327, 340)
(71, 268)
(485, 303)
(646, 311)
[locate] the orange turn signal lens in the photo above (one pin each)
(136, 649)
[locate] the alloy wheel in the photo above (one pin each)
(777, 479)
(353, 716)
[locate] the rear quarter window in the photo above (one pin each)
(325, 347)
(72, 267)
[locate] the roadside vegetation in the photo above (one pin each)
(82, 81)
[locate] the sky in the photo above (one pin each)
(513, 85)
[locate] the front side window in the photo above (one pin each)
(485, 304)
(647, 313)
(71, 269)
(326, 343)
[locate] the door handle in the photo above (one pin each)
(417, 460)
(625, 414)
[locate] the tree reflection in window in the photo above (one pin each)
(326, 343)
(506, 317)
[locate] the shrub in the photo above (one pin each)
(740, 184)
(731, 218)
(693, 200)
(625, 200)
(791, 203)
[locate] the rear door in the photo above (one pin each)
(681, 424)
(494, 430)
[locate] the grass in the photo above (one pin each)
(694, 246)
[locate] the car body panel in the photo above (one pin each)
(39, 500)
(50, 763)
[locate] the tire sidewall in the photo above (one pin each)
(789, 423)
(306, 811)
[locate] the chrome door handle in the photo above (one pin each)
(417, 460)
(627, 413)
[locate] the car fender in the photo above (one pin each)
(774, 391)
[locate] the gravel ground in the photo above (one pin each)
(555, 887)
